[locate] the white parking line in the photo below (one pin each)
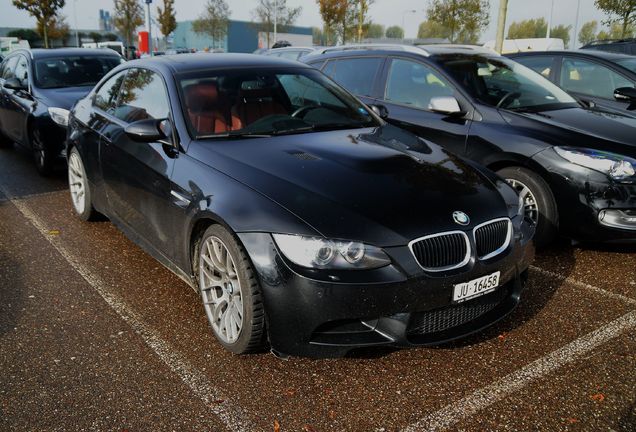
(580, 284)
(228, 412)
(488, 395)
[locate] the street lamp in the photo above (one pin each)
(404, 20)
(275, 21)
(148, 2)
(77, 41)
(550, 21)
(576, 25)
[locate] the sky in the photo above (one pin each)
(386, 12)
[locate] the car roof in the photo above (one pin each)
(421, 50)
(37, 53)
(583, 52)
(194, 62)
(292, 48)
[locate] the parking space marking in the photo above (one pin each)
(580, 284)
(503, 387)
(229, 413)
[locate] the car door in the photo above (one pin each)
(359, 75)
(21, 103)
(593, 81)
(7, 72)
(137, 174)
(409, 86)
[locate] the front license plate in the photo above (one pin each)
(476, 287)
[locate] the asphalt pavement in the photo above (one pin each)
(97, 335)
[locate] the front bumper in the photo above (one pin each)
(592, 207)
(397, 307)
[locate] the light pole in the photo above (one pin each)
(77, 41)
(404, 20)
(275, 21)
(501, 25)
(576, 24)
(148, 2)
(550, 20)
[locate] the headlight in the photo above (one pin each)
(316, 252)
(59, 116)
(616, 166)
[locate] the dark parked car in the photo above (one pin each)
(289, 53)
(38, 87)
(573, 166)
(604, 79)
(304, 220)
(621, 46)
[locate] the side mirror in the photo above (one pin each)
(626, 94)
(14, 84)
(150, 130)
(445, 105)
(380, 111)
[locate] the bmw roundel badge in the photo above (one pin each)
(461, 218)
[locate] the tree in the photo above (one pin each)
(362, 7)
(167, 17)
(528, 29)
(375, 31)
(432, 30)
(395, 32)
(56, 29)
(268, 9)
(465, 19)
(25, 34)
(96, 37)
(588, 32)
(621, 12)
(128, 16)
(43, 11)
(336, 16)
(561, 32)
(213, 21)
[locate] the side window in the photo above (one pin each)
(143, 96)
(355, 74)
(414, 84)
(590, 78)
(106, 96)
(539, 64)
(8, 69)
(22, 70)
(289, 55)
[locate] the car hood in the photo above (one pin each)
(382, 185)
(62, 97)
(579, 127)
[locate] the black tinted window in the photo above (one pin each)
(8, 68)
(355, 74)
(142, 96)
(76, 71)
(106, 96)
(539, 64)
(591, 78)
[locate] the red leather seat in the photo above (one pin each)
(254, 104)
(206, 109)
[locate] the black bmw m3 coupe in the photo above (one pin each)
(306, 222)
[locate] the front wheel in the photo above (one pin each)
(44, 158)
(230, 291)
(539, 203)
(78, 186)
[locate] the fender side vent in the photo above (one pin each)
(303, 156)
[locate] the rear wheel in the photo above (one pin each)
(79, 188)
(44, 159)
(539, 203)
(230, 291)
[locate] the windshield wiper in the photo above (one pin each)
(235, 135)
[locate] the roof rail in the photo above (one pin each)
(610, 41)
(354, 47)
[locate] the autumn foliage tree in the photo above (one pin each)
(56, 28)
(622, 12)
(43, 11)
(214, 20)
(464, 19)
(128, 16)
(167, 17)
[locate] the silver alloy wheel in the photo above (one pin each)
(77, 182)
(221, 289)
(530, 205)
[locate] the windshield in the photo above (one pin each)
(628, 63)
(244, 102)
(78, 71)
(503, 83)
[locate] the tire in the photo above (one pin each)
(4, 141)
(79, 188)
(540, 203)
(224, 292)
(44, 159)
